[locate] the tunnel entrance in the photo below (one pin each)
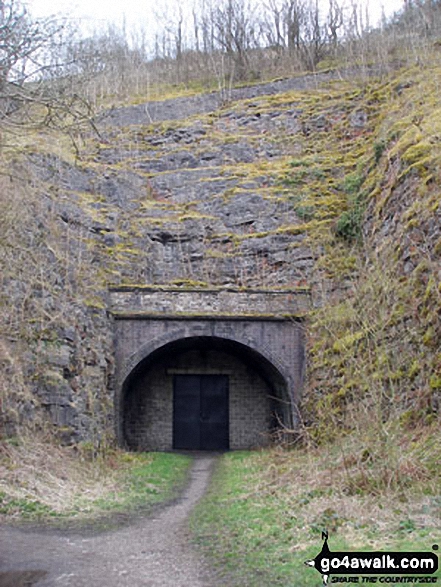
(200, 412)
(203, 393)
(206, 369)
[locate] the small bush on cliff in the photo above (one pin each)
(349, 224)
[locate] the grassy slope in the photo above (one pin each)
(375, 354)
(266, 511)
(75, 485)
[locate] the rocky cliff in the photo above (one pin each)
(320, 182)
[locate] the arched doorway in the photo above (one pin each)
(203, 393)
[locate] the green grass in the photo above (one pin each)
(150, 478)
(123, 483)
(250, 539)
(263, 518)
(26, 508)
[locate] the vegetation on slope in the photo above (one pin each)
(76, 485)
(376, 354)
(265, 513)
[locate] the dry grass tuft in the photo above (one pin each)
(61, 478)
(357, 483)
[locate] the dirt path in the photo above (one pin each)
(151, 552)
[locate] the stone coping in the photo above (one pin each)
(178, 316)
(210, 289)
(176, 303)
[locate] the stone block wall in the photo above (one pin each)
(149, 408)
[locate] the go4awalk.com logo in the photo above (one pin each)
(375, 567)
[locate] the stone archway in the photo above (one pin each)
(249, 341)
(256, 400)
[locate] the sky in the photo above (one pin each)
(138, 15)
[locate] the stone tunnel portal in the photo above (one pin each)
(204, 393)
(206, 369)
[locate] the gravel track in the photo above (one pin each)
(151, 552)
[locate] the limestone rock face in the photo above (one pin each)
(194, 192)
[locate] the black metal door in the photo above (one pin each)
(200, 412)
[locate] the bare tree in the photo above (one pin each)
(335, 21)
(273, 25)
(34, 90)
(294, 17)
(235, 33)
(196, 29)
